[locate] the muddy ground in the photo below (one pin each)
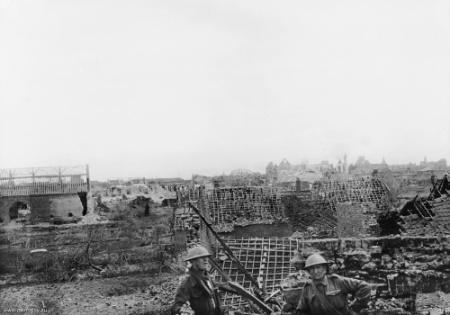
(137, 294)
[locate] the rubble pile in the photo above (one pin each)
(114, 195)
(436, 223)
(400, 276)
(410, 266)
(392, 306)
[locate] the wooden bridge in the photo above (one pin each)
(44, 181)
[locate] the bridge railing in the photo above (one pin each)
(42, 189)
(44, 181)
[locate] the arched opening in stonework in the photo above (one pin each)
(18, 209)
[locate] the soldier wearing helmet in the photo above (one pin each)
(197, 288)
(292, 286)
(327, 294)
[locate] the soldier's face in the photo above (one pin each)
(200, 264)
(317, 272)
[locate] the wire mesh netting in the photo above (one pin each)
(266, 259)
(229, 205)
(355, 190)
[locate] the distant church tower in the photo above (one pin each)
(345, 166)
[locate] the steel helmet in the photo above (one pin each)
(196, 252)
(315, 259)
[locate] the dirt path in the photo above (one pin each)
(137, 294)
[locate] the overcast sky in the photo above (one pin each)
(171, 88)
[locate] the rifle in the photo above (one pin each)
(258, 291)
(240, 290)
